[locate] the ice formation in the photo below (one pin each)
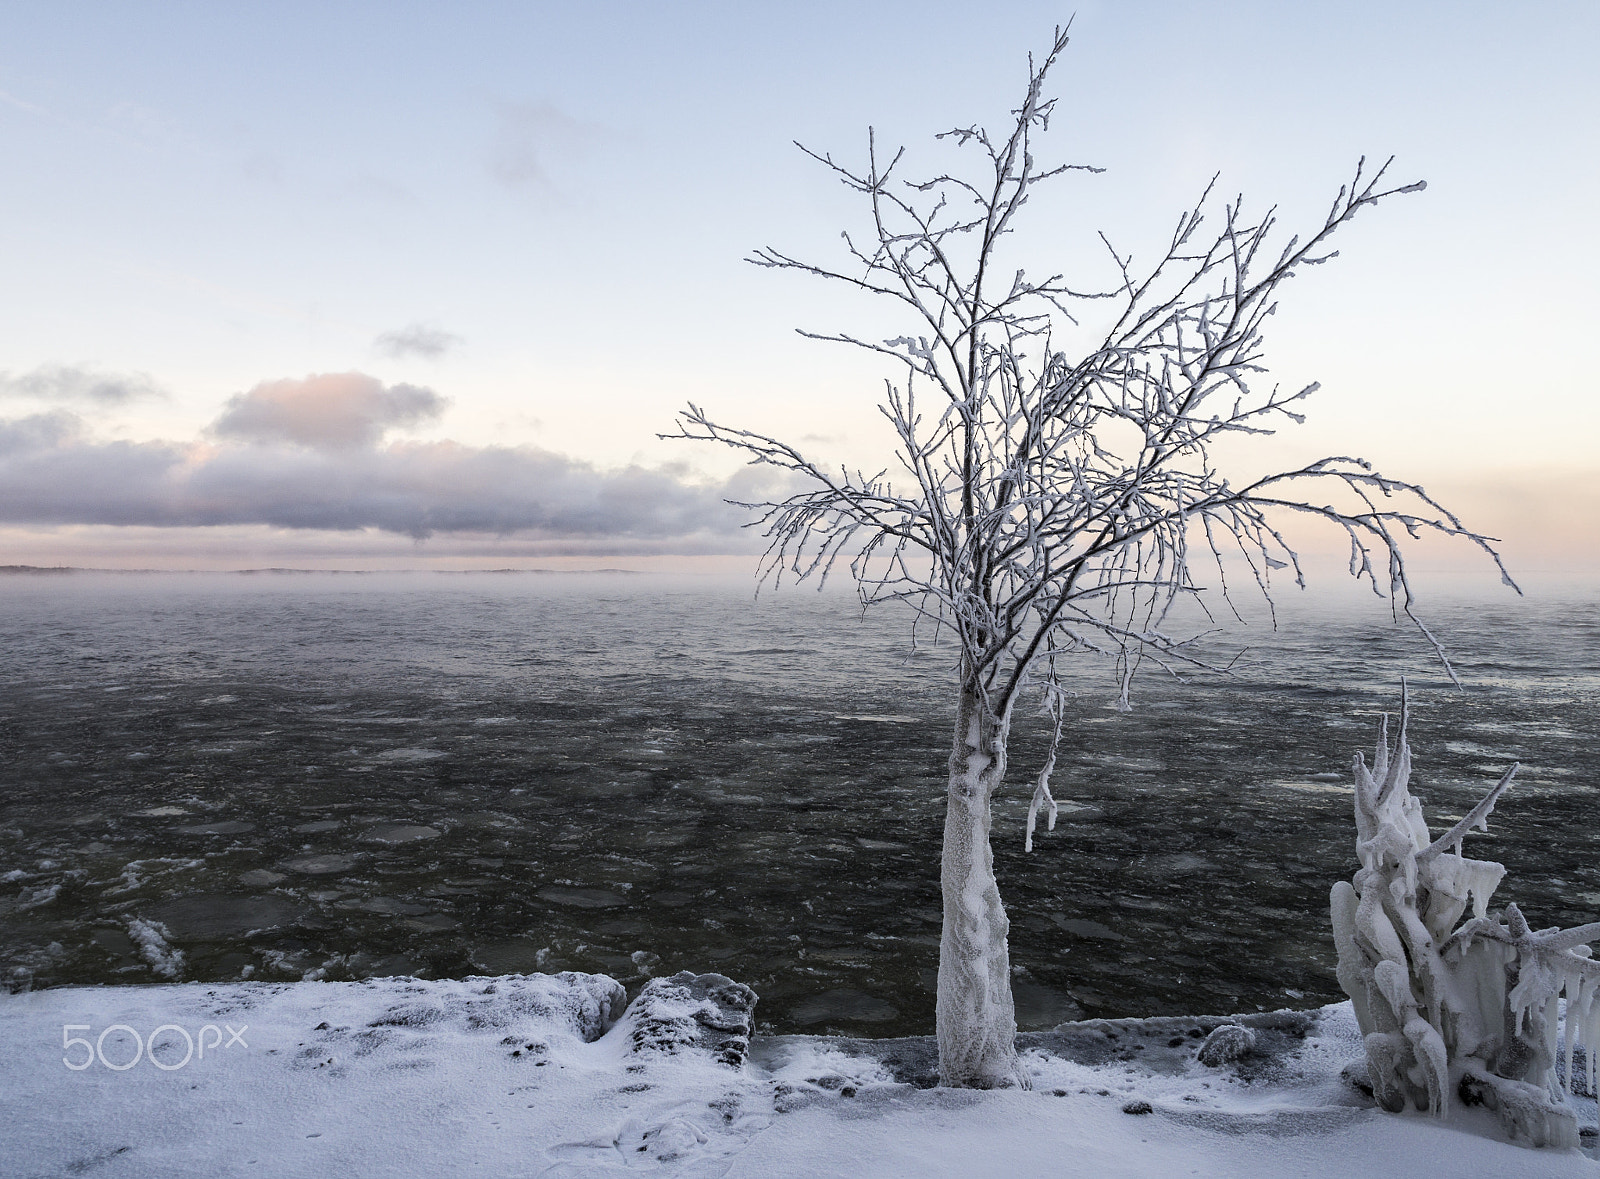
(1474, 1009)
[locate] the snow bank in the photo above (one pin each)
(539, 1075)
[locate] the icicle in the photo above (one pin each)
(1580, 1016)
(1591, 1041)
(1570, 1035)
(1462, 879)
(1485, 878)
(1041, 793)
(1552, 1024)
(1430, 1050)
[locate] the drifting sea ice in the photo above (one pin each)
(151, 938)
(757, 831)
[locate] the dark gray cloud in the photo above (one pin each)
(53, 473)
(416, 339)
(58, 382)
(40, 431)
(330, 411)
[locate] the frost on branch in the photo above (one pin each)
(1475, 1009)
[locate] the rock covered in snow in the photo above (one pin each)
(704, 1012)
(1226, 1044)
(417, 1023)
(583, 1005)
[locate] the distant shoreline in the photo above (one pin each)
(62, 570)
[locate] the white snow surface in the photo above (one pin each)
(495, 1077)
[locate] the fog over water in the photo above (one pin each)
(344, 776)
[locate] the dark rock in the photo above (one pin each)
(1355, 1075)
(705, 1012)
(1138, 1107)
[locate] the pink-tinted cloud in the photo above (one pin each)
(334, 411)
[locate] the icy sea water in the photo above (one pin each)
(446, 775)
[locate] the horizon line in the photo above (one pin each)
(62, 570)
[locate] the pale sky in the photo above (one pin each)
(296, 283)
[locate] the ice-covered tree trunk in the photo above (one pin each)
(977, 1022)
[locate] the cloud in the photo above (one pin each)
(416, 340)
(20, 104)
(334, 411)
(56, 382)
(53, 473)
(40, 431)
(529, 134)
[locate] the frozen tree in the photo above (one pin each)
(1474, 1009)
(1053, 502)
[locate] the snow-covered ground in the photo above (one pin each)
(510, 1076)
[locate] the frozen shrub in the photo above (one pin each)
(1474, 1008)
